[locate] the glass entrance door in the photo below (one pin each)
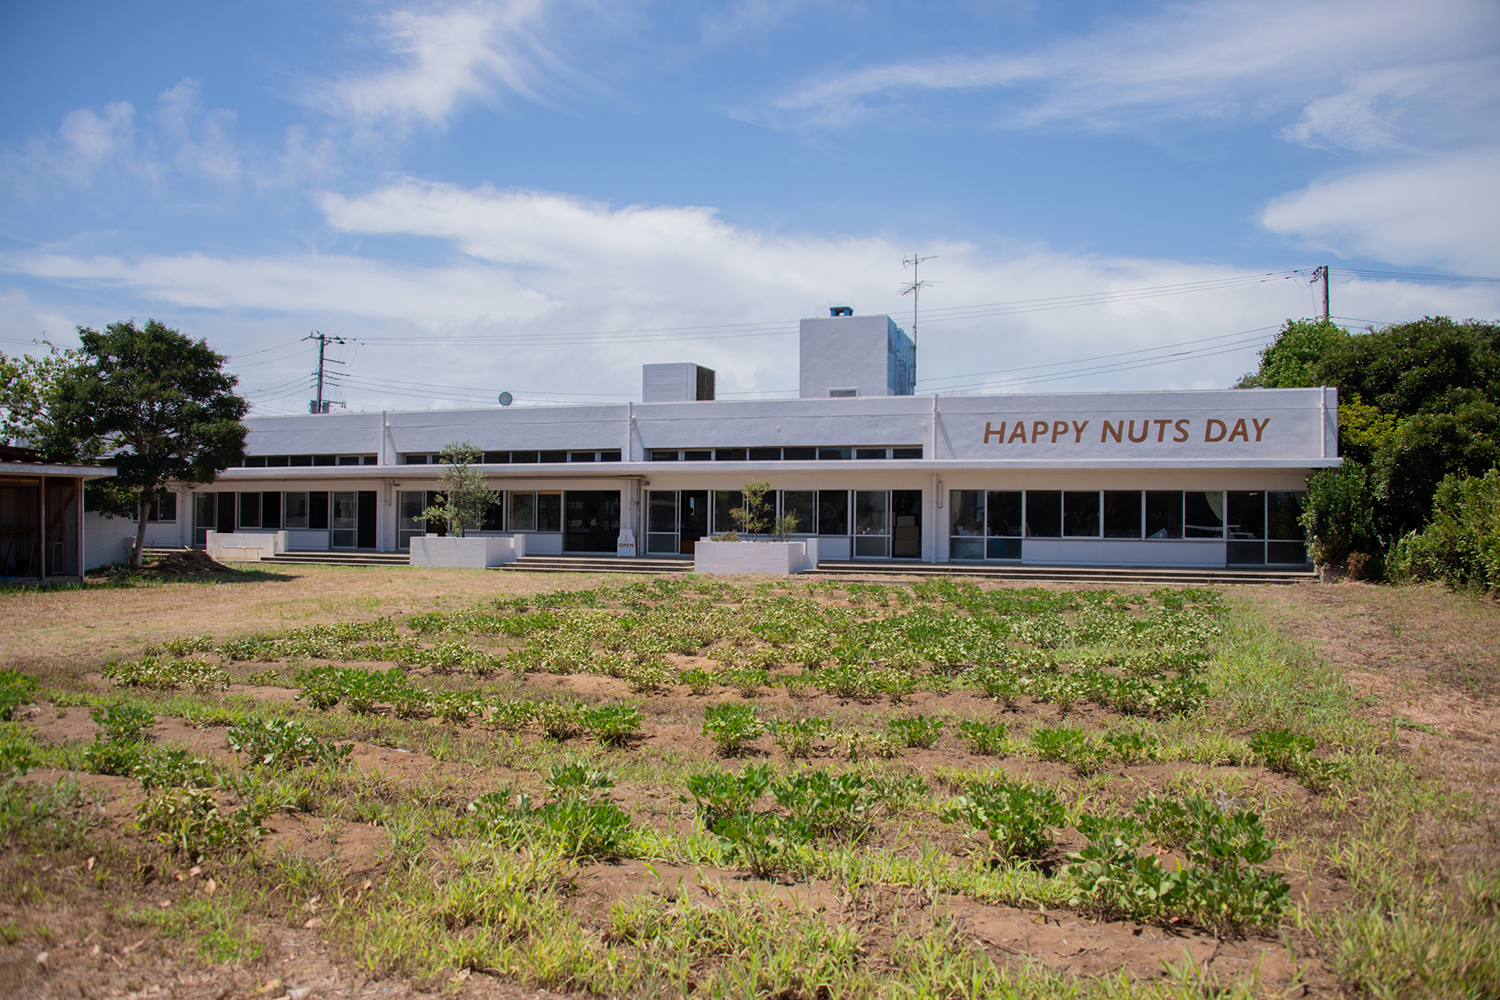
(591, 520)
(692, 512)
(346, 520)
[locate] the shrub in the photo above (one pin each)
(361, 689)
(721, 794)
(320, 686)
(1461, 544)
(558, 720)
(731, 726)
(916, 731)
(116, 757)
(192, 821)
(283, 743)
(1288, 753)
(16, 689)
(173, 767)
(819, 804)
(698, 680)
(984, 738)
(1015, 815)
(797, 738)
(123, 723)
(612, 724)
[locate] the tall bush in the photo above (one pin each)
(1461, 544)
(1340, 514)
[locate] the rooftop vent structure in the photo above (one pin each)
(676, 383)
(846, 355)
(840, 311)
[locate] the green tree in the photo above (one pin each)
(1461, 543)
(464, 494)
(1425, 448)
(1292, 359)
(1430, 365)
(754, 515)
(155, 404)
(1340, 514)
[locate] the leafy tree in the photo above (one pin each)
(1430, 365)
(1461, 544)
(755, 514)
(1291, 361)
(464, 495)
(1340, 514)
(1423, 450)
(150, 401)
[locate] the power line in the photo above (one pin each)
(1407, 275)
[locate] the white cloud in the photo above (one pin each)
(443, 58)
(1437, 211)
(1203, 59)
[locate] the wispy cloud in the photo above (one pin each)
(442, 58)
(1203, 59)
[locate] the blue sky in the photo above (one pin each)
(541, 196)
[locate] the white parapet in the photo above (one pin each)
(473, 552)
(766, 558)
(244, 546)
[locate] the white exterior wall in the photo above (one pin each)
(847, 352)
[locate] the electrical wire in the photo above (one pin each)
(1354, 272)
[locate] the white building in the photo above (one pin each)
(1191, 479)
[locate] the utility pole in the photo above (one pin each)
(1322, 272)
(323, 342)
(914, 288)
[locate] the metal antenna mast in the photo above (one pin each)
(914, 288)
(323, 342)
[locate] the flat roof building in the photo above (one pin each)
(1203, 478)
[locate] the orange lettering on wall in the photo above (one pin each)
(1145, 429)
(1019, 432)
(1239, 431)
(1115, 430)
(1161, 429)
(1182, 430)
(1208, 431)
(999, 435)
(1260, 425)
(1060, 427)
(1078, 430)
(1038, 428)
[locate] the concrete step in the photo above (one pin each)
(339, 559)
(596, 564)
(1162, 576)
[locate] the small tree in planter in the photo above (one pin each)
(464, 495)
(755, 515)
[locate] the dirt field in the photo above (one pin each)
(1338, 744)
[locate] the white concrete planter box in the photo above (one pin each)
(249, 546)
(479, 552)
(773, 558)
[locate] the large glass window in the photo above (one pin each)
(1164, 515)
(345, 520)
(726, 502)
(833, 512)
(1081, 514)
(493, 518)
(1003, 514)
(1043, 513)
(205, 516)
(872, 523)
(1287, 544)
(270, 511)
(1247, 515)
(296, 510)
(1122, 514)
(661, 521)
(409, 519)
(162, 509)
(906, 524)
(1203, 514)
(549, 510)
(523, 511)
(966, 524)
(249, 510)
(802, 505)
(317, 511)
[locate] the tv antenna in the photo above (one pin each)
(914, 289)
(323, 340)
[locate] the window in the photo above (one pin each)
(409, 520)
(205, 515)
(1043, 514)
(270, 511)
(249, 510)
(317, 511)
(1081, 514)
(523, 457)
(661, 521)
(497, 458)
(282, 461)
(414, 459)
(799, 454)
(802, 505)
(697, 456)
(549, 511)
(1287, 544)
(255, 462)
(324, 459)
(842, 393)
(906, 452)
(348, 459)
(163, 509)
(966, 511)
(729, 455)
(872, 523)
(1247, 515)
(553, 456)
(1203, 515)
(1003, 513)
(1164, 515)
(1122, 514)
(523, 512)
(296, 510)
(583, 456)
(609, 456)
(765, 454)
(663, 456)
(833, 454)
(833, 512)
(345, 520)
(868, 453)
(726, 502)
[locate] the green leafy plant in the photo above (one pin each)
(283, 743)
(854, 744)
(186, 645)
(1288, 753)
(16, 689)
(193, 821)
(721, 794)
(819, 804)
(612, 725)
(986, 738)
(17, 752)
(558, 720)
(174, 767)
(915, 731)
(698, 680)
(115, 757)
(577, 819)
(1015, 815)
(158, 673)
(732, 726)
(124, 723)
(798, 737)
(1004, 686)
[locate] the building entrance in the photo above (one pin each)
(591, 520)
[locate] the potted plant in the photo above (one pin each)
(733, 552)
(462, 499)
